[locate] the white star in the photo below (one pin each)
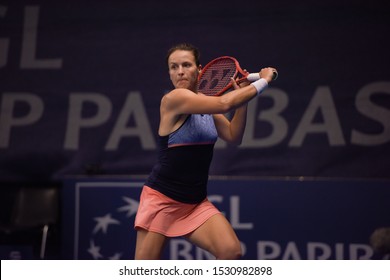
(131, 207)
(116, 256)
(103, 222)
(94, 250)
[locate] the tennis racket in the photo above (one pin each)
(215, 77)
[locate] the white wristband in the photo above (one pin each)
(260, 85)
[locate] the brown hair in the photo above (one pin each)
(185, 47)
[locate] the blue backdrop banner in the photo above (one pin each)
(274, 219)
(81, 84)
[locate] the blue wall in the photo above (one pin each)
(81, 83)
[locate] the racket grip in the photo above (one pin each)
(274, 76)
(256, 76)
(253, 77)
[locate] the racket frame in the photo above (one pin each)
(237, 71)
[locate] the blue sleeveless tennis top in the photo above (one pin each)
(184, 158)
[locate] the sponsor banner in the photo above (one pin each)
(81, 85)
(274, 219)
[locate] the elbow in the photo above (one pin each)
(237, 141)
(232, 140)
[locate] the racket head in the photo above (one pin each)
(215, 77)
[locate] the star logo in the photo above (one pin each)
(94, 250)
(131, 207)
(104, 222)
(105, 225)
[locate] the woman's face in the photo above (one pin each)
(183, 71)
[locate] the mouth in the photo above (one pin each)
(181, 81)
(184, 83)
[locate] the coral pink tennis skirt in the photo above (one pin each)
(161, 214)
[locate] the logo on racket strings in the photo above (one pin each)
(215, 79)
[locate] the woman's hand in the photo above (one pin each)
(268, 74)
(242, 84)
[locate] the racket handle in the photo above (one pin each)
(256, 76)
(275, 75)
(253, 77)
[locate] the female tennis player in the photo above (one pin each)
(174, 200)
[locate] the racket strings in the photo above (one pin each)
(216, 76)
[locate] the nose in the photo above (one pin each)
(180, 70)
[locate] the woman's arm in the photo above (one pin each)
(183, 102)
(232, 131)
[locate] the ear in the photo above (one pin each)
(200, 68)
